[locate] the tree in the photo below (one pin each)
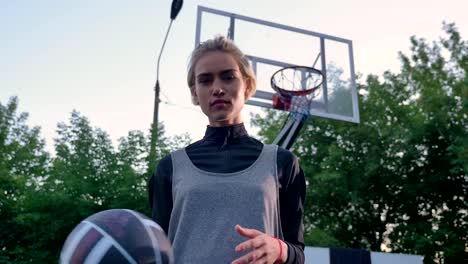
(73, 189)
(87, 175)
(436, 163)
(398, 180)
(23, 163)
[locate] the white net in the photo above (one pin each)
(296, 87)
(296, 80)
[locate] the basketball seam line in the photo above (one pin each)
(116, 244)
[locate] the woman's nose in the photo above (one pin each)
(218, 87)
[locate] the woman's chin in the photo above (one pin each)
(223, 120)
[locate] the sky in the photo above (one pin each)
(99, 57)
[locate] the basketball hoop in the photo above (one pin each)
(296, 87)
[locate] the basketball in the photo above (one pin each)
(117, 236)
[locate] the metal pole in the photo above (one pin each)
(157, 90)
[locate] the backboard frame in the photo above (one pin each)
(260, 96)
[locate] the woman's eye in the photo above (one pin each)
(229, 77)
(204, 80)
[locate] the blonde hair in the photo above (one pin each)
(223, 44)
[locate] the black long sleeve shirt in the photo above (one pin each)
(230, 149)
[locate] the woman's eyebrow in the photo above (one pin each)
(228, 71)
(207, 74)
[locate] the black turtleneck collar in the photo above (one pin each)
(224, 133)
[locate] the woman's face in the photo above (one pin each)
(220, 88)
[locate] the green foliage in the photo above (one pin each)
(436, 185)
(42, 199)
(320, 238)
(23, 162)
(399, 178)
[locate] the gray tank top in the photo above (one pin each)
(207, 206)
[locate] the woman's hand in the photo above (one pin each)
(265, 248)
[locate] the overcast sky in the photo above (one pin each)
(99, 57)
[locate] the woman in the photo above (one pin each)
(228, 198)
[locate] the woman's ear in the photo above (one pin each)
(248, 88)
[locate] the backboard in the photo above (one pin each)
(271, 46)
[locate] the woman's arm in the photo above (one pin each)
(160, 193)
(292, 198)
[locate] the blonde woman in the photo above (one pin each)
(228, 198)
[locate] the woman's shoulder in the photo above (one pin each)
(191, 146)
(286, 155)
(166, 160)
